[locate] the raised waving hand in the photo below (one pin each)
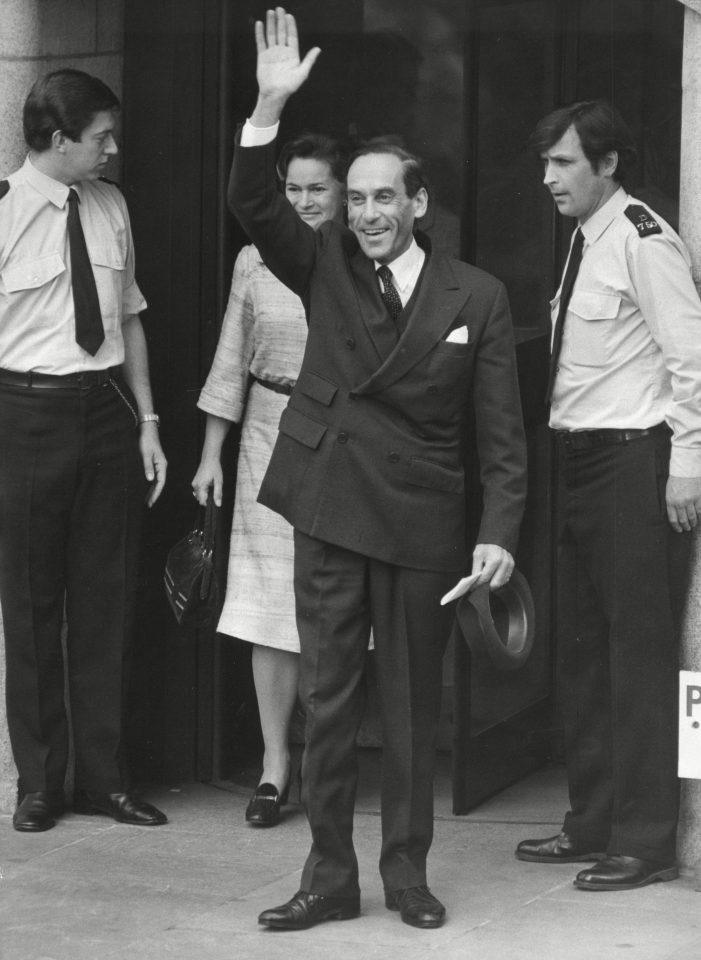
(279, 71)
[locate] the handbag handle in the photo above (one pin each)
(211, 515)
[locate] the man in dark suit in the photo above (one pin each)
(369, 470)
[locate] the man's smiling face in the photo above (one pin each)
(380, 213)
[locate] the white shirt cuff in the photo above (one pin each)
(685, 462)
(257, 136)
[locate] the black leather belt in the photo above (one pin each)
(585, 439)
(73, 381)
(285, 388)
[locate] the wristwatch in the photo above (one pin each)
(150, 418)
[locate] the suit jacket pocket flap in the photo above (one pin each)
(295, 425)
(426, 473)
(316, 387)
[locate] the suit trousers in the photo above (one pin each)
(621, 573)
(339, 595)
(71, 488)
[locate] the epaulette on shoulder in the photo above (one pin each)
(4, 188)
(642, 220)
(112, 183)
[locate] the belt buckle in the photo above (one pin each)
(92, 378)
(575, 440)
(568, 439)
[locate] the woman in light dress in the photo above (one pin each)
(256, 364)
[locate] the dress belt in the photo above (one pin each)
(63, 381)
(285, 388)
(584, 439)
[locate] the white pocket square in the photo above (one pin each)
(459, 335)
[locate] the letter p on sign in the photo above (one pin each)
(690, 724)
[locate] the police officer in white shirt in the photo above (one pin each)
(625, 396)
(80, 444)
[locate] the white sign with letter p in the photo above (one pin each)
(690, 724)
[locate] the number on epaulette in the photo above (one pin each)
(642, 220)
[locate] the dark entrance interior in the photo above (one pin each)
(462, 82)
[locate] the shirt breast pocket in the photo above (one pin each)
(29, 283)
(32, 274)
(591, 330)
(109, 263)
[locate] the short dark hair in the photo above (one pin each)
(65, 100)
(313, 146)
(412, 167)
(601, 130)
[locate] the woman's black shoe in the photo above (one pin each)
(263, 809)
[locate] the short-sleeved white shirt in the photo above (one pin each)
(631, 347)
(37, 320)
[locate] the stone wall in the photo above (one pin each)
(38, 36)
(690, 229)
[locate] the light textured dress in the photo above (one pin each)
(264, 332)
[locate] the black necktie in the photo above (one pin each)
(89, 331)
(565, 294)
(389, 292)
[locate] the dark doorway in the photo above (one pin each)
(173, 181)
(462, 82)
(523, 58)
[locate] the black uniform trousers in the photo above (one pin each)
(71, 488)
(339, 594)
(621, 571)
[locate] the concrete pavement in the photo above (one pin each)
(90, 889)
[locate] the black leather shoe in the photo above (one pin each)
(307, 909)
(36, 812)
(263, 809)
(624, 873)
(123, 807)
(559, 849)
(417, 906)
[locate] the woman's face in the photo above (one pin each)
(313, 190)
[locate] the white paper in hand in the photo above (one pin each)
(460, 588)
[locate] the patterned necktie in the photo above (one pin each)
(565, 294)
(89, 331)
(389, 292)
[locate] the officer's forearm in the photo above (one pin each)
(135, 367)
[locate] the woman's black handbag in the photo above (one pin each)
(189, 578)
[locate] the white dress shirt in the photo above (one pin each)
(631, 348)
(258, 136)
(37, 320)
(405, 270)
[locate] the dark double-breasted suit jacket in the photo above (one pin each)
(370, 458)
(370, 453)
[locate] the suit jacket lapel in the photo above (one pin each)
(440, 298)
